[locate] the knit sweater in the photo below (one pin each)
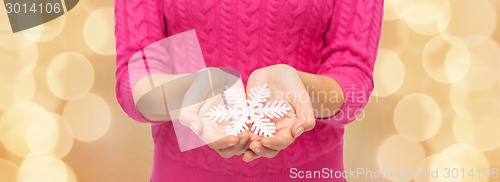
(335, 38)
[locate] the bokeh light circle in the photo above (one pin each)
(42, 167)
(468, 158)
(395, 9)
(397, 155)
(47, 31)
(432, 169)
(42, 134)
(89, 117)
(71, 174)
(479, 128)
(15, 91)
(70, 75)
(417, 117)
(65, 142)
(428, 17)
(446, 58)
(50, 133)
(472, 18)
(14, 125)
(98, 35)
(389, 74)
(9, 40)
(475, 105)
(484, 64)
(19, 63)
(8, 170)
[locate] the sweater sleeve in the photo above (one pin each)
(138, 23)
(351, 43)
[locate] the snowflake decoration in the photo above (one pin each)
(242, 111)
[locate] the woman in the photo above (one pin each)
(325, 48)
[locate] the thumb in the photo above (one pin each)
(302, 123)
(305, 119)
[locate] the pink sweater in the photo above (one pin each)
(336, 38)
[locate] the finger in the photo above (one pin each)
(225, 153)
(260, 150)
(305, 114)
(239, 148)
(224, 143)
(249, 156)
(278, 142)
(302, 124)
(255, 137)
(244, 138)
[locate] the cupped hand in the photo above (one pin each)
(204, 93)
(287, 87)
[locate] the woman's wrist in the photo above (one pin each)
(326, 94)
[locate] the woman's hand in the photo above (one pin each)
(286, 86)
(204, 93)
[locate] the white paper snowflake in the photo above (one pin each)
(242, 111)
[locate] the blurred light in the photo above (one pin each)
(485, 63)
(472, 18)
(468, 158)
(42, 134)
(15, 91)
(471, 64)
(458, 59)
(18, 63)
(41, 167)
(8, 171)
(428, 17)
(399, 155)
(395, 9)
(47, 31)
(50, 133)
(89, 117)
(444, 136)
(417, 117)
(70, 75)
(396, 36)
(437, 163)
(65, 142)
(475, 105)
(71, 174)
(14, 125)
(389, 74)
(481, 133)
(446, 58)
(98, 33)
(9, 40)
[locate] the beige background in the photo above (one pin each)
(436, 103)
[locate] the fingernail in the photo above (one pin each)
(257, 150)
(299, 131)
(231, 144)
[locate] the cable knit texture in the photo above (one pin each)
(336, 38)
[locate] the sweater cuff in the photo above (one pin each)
(124, 92)
(355, 99)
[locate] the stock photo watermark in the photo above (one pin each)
(443, 173)
(26, 14)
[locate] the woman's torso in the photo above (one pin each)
(248, 35)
